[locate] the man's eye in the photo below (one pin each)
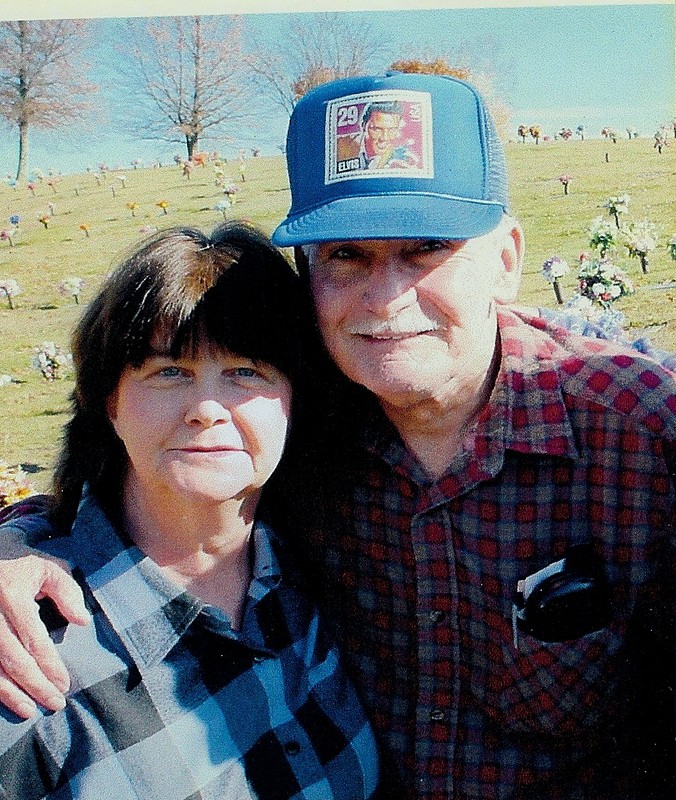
(432, 245)
(344, 253)
(245, 372)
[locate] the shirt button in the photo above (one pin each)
(437, 715)
(292, 748)
(436, 617)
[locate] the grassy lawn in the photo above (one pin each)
(32, 411)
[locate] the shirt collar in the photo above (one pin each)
(527, 409)
(149, 612)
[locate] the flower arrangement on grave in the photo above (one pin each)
(671, 247)
(14, 484)
(51, 361)
(132, 206)
(553, 269)
(163, 204)
(661, 140)
(7, 235)
(640, 238)
(580, 310)
(617, 206)
(84, 226)
(44, 219)
(230, 190)
(223, 205)
(602, 282)
(565, 180)
(10, 288)
(71, 287)
(602, 236)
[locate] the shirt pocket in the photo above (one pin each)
(557, 688)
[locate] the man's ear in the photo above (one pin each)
(511, 257)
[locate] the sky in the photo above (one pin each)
(556, 64)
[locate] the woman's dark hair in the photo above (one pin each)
(233, 289)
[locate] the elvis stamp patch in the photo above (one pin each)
(379, 134)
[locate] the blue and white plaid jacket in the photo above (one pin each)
(167, 702)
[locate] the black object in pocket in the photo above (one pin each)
(569, 601)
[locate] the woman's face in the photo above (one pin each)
(208, 428)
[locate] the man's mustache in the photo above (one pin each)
(407, 323)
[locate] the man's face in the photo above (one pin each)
(414, 319)
(382, 131)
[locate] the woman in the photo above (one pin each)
(206, 672)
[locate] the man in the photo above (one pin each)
(386, 137)
(381, 146)
(490, 513)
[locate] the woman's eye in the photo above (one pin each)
(245, 372)
(170, 372)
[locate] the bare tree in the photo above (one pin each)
(187, 77)
(40, 76)
(314, 49)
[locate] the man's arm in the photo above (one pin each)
(30, 668)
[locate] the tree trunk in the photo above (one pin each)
(191, 141)
(23, 150)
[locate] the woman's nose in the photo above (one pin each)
(207, 412)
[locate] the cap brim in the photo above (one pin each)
(400, 216)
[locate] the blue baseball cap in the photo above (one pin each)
(397, 156)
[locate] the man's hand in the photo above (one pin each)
(30, 666)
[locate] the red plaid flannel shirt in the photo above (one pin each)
(574, 446)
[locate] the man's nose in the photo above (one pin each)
(389, 290)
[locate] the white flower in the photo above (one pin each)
(50, 360)
(71, 286)
(639, 238)
(618, 204)
(554, 268)
(578, 302)
(9, 287)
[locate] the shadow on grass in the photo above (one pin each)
(31, 469)
(52, 412)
